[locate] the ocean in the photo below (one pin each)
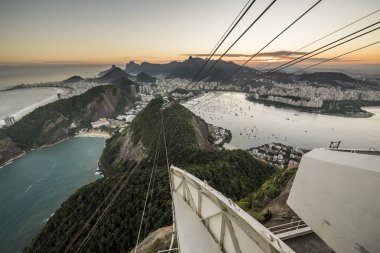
(19, 102)
(11, 75)
(34, 186)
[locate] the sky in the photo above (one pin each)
(115, 31)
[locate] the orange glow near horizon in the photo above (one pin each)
(365, 57)
(95, 32)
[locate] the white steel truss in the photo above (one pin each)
(229, 229)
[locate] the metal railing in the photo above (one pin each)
(371, 151)
(168, 250)
(229, 226)
(286, 227)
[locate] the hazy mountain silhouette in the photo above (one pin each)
(151, 68)
(326, 77)
(187, 70)
(73, 79)
(111, 75)
(145, 78)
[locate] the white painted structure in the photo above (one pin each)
(291, 229)
(337, 194)
(100, 122)
(126, 118)
(9, 121)
(209, 222)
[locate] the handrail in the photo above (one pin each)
(370, 151)
(227, 220)
(167, 250)
(289, 229)
(281, 225)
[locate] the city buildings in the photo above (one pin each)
(144, 89)
(278, 154)
(100, 122)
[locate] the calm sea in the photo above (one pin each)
(35, 185)
(254, 124)
(11, 75)
(19, 102)
(12, 102)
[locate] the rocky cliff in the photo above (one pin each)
(268, 203)
(132, 144)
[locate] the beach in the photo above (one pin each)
(21, 104)
(93, 133)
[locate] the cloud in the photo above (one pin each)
(140, 57)
(277, 54)
(265, 57)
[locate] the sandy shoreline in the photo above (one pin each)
(93, 133)
(26, 110)
(96, 134)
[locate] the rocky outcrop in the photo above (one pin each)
(278, 207)
(202, 133)
(8, 150)
(102, 106)
(129, 151)
(157, 240)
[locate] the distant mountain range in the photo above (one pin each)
(245, 76)
(145, 72)
(327, 77)
(151, 68)
(186, 69)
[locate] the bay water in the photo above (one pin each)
(34, 186)
(254, 124)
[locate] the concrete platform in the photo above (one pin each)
(191, 229)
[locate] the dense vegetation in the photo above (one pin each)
(234, 173)
(346, 107)
(349, 108)
(38, 127)
(63, 118)
(255, 201)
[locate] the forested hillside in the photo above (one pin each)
(268, 203)
(190, 147)
(55, 121)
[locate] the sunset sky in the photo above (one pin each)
(98, 31)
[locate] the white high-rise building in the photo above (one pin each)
(133, 90)
(9, 121)
(145, 89)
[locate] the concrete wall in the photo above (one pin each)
(338, 195)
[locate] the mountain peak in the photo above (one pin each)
(73, 79)
(145, 78)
